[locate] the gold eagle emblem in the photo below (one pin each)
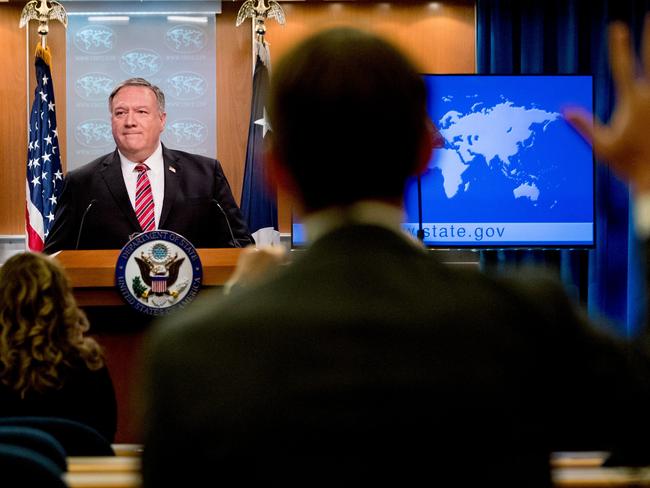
(43, 11)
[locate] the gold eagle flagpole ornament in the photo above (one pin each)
(43, 11)
(259, 11)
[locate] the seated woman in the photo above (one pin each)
(47, 366)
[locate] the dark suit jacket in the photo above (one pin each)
(367, 361)
(192, 189)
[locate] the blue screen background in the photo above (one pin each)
(545, 178)
(559, 161)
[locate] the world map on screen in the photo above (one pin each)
(508, 154)
(500, 135)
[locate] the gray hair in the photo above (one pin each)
(160, 96)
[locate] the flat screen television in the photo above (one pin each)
(511, 172)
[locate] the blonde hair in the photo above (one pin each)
(41, 327)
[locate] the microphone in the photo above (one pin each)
(225, 216)
(83, 218)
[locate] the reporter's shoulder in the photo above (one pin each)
(536, 281)
(208, 314)
(543, 295)
(530, 287)
(523, 280)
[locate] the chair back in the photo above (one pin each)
(76, 438)
(22, 467)
(37, 440)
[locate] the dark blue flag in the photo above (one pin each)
(258, 201)
(44, 174)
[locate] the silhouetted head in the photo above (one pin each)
(349, 121)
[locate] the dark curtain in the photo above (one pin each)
(570, 37)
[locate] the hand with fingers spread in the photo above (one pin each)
(625, 141)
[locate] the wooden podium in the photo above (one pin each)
(92, 273)
(118, 328)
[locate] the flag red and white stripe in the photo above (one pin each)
(44, 174)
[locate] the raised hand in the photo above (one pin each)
(625, 141)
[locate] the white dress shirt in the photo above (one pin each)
(156, 176)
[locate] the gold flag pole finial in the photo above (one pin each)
(259, 11)
(43, 11)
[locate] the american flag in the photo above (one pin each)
(44, 174)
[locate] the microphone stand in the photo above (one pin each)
(235, 242)
(83, 219)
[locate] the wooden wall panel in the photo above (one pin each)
(13, 123)
(234, 84)
(438, 39)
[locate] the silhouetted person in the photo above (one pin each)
(367, 360)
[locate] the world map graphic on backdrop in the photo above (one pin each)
(177, 54)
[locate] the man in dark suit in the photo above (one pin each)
(189, 193)
(366, 361)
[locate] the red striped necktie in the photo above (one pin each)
(144, 199)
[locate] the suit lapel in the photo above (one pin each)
(111, 172)
(172, 175)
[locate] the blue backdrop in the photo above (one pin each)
(570, 36)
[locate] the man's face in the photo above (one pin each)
(136, 122)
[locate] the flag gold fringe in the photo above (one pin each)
(44, 54)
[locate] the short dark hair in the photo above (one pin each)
(160, 96)
(348, 114)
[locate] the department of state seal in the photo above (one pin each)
(158, 272)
